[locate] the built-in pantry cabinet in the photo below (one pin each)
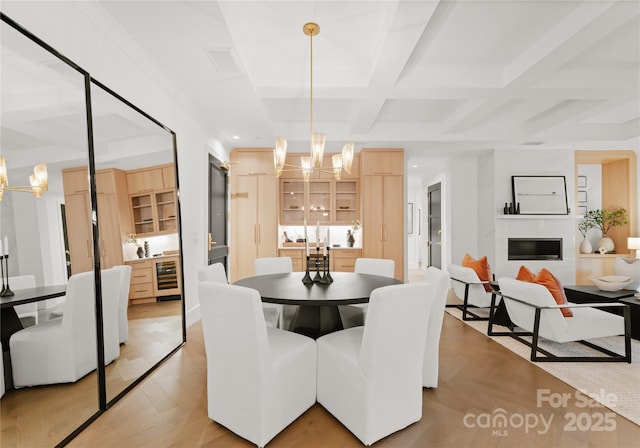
(253, 210)
(383, 206)
(114, 222)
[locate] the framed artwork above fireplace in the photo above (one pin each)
(540, 195)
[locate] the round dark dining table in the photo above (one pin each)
(317, 312)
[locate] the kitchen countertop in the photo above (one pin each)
(312, 248)
(151, 258)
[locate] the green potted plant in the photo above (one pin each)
(605, 220)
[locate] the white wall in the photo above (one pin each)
(414, 193)
(100, 48)
(546, 162)
(486, 207)
(460, 208)
(593, 174)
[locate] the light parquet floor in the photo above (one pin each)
(43, 416)
(477, 375)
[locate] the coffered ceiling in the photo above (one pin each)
(434, 77)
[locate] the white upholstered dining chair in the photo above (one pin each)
(355, 315)
(370, 377)
(259, 379)
(213, 273)
(123, 302)
(273, 312)
(439, 282)
(27, 313)
(63, 350)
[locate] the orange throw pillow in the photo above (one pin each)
(482, 268)
(554, 286)
(525, 275)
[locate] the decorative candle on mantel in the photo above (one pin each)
(324, 249)
(318, 234)
(6, 246)
(328, 237)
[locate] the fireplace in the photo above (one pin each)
(534, 249)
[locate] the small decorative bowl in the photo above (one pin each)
(611, 282)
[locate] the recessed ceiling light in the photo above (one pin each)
(414, 166)
(235, 137)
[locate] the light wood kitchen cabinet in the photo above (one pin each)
(141, 288)
(297, 258)
(329, 201)
(254, 211)
(113, 217)
(154, 213)
(145, 180)
(152, 278)
(152, 198)
(340, 260)
(320, 201)
(383, 208)
(293, 200)
(344, 260)
(382, 162)
(347, 200)
(79, 235)
(169, 176)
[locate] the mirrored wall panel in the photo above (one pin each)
(138, 223)
(49, 352)
(86, 218)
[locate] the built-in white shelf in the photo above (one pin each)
(540, 217)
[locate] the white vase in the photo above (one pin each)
(585, 247)
(606, 243)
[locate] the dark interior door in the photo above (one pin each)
(217, 238)
(435, 225)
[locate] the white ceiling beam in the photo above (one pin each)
(580, 30)
(408, 25)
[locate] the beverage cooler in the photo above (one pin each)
(167, 278)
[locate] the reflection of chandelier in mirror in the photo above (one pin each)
(313, 162)
(38, 180)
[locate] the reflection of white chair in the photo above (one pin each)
(123, 302)
(355, 315)
(28, 313)
(370, 378)
(64, 350)
(213, 273)
(470, 290)
(532, 308)
(439, 282)
(259, 379)
(273, 312)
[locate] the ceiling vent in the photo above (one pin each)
(532, 143)
(223, 60)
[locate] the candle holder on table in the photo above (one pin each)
(2, 268)
(317, 277)
(307, 278)
(6, 290)
(326, 275)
